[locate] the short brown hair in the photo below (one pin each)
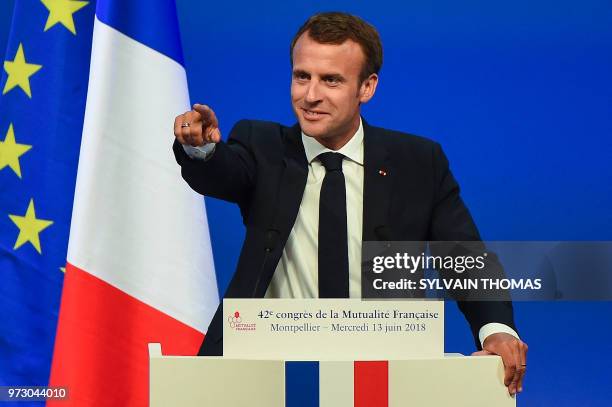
(337, 27)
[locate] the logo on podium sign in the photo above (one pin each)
(235, 322)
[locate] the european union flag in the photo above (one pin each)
(44, 87)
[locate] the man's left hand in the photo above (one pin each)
(513, 352)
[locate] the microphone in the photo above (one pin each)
(270, 242)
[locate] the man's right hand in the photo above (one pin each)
(197, 127)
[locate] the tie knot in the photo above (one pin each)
(331, 161)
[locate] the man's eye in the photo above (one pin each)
(301, 76)
(332, 81)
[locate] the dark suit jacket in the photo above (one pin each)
(263, 169)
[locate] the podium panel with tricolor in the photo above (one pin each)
(451, 380)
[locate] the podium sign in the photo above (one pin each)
(332, 329)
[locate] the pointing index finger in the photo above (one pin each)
(208, 116)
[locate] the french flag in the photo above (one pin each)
(337, 384)
(140, 265)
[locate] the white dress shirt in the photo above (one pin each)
(296, 274)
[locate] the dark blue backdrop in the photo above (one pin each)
(518, 93)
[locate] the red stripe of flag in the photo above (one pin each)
(371, 387)
(101, 352)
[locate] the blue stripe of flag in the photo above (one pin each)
(301, 384)
(153, 23)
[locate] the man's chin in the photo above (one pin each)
(315, 130)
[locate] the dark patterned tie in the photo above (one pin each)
(333, 242)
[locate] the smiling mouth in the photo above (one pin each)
(312, 114)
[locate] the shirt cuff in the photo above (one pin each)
(494, 328)
(201, 152)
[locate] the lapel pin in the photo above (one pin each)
(382, 172)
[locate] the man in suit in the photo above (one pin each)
(297, 186)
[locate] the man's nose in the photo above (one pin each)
(313, 93)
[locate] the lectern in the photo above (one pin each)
(408, 379)
(453, 380)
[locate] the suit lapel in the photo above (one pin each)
(293, 180)
(290, 193)
(377, 178)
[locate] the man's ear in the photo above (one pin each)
(368, 88)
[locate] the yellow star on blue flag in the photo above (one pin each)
(61, 11)
(19, 72)
(10, 151)
(29, 228)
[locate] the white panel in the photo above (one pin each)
(135, 222)
(336, 384)
(458, 381)
(216, 382)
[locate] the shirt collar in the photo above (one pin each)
(353, 150)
